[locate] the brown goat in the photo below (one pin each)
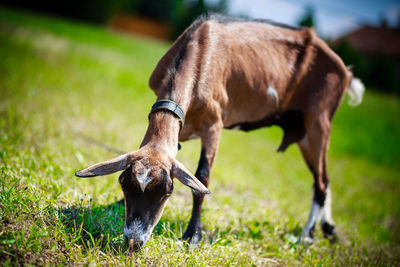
(236, 74)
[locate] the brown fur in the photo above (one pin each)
(222, 82)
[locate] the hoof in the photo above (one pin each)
(305, 240)
(329, 232)
(192, 236)
(307, 237)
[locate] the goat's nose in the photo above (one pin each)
(135, 245)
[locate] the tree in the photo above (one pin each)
(352, 57)
(186, 11)
(307, 19)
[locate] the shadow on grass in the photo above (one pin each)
(94, 226)
(101, 227)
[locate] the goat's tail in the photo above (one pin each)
(355, 90)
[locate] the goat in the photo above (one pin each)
(231, 73)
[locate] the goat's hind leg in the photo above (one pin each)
(327, 223)
(210, 140)
(313, 147)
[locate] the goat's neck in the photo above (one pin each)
(164, 127)
(163, 130)
(162, 133)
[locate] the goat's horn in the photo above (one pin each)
(106, 167)
(185, 177)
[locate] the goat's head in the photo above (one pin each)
(147, 184)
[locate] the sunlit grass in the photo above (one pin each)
(60, 79)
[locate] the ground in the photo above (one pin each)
(62, 80)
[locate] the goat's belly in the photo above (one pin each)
(249, 112)
(247, 124)
(292, 123)
(250, 102)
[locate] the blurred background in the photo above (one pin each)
(76, 72)
(365, 33)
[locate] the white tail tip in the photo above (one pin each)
(356, 92)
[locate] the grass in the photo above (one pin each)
(60, 78)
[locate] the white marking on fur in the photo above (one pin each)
(137, 231)
(135, 225)
(237, 127)
(315, 214)
(143, 179)
(272, 93)
(327, 213)
(356, 92)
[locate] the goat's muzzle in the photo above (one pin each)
(135, 245)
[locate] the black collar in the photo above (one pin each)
(167, 104)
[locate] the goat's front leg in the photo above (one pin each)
(210, 137)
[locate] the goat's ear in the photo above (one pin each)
(106, 167)
(185, 177)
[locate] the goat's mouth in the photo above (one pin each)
(135, 242)
(135, 246)
(137, 234)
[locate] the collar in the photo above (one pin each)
(171, 106)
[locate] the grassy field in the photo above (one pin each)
(61, 79)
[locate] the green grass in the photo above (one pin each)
(60, 78)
